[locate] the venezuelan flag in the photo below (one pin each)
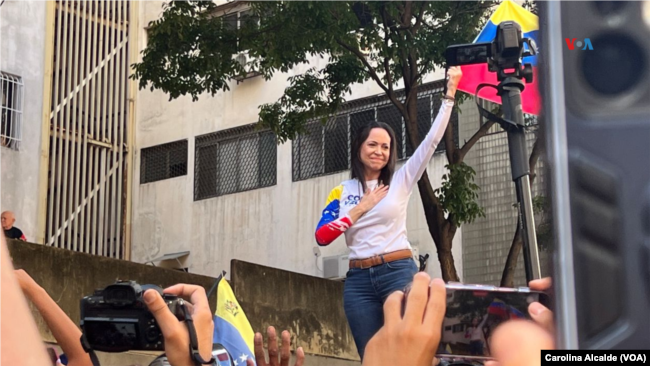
(231, 327)
(516, 314)
(498, 308)
(473, 75)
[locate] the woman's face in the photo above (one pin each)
(375, 151)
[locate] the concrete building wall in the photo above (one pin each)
(272, 226)
(310, 308)
(22, 53)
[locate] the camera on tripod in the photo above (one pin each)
(503, 55)
(116, 318)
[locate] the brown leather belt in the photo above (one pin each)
(381, 259)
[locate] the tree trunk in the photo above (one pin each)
(446, 259)
(508, 275)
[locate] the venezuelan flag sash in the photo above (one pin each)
(473, 75)
(231, 327)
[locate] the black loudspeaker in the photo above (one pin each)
(595, 80)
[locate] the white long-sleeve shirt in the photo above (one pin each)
(383, 228)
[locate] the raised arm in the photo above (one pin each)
(412, 170)
(21, 343)
(63, 329)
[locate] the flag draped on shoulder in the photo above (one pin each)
(473, 75)
(231, 327)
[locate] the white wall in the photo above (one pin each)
(22, 53)
(272, 226)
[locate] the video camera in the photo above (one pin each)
(504, 53)
(116, 318)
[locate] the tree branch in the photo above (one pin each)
(389, 78)
(532, 161)
(480, 133)
(406, 15)
(373, 74)
(450, 147)
(418, 19)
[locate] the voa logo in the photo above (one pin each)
(572, 43)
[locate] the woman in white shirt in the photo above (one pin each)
(370, 209)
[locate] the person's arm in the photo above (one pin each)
(64, 330)
(331, 227)
(485, 318)
(414, 167)
(21, 342)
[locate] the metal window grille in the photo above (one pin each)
(325, 148)
(90, 145)
(234, 160)
(11, 108)
(163, 162)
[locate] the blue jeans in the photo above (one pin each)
(365, 292)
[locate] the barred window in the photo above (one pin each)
(234, 160)
(163, 161)
(325, 148)
(11, 110)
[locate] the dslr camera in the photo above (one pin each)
(116, 318)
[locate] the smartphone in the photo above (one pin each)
(474, 311)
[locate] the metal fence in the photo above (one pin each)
(89, 134)
(486, 241)
(325, 148)
(11, 110)
(234, 160)
(163, 161)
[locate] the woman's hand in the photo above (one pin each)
(372, 197)
(369, 200)
(455, 74)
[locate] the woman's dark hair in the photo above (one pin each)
(357, 169)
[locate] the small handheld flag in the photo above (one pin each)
(231, 327)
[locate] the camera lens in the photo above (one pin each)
(614, 65)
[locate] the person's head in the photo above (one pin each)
(374, 152)
(475, 321)
(8, 220)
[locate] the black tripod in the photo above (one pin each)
(509, 89)
(504, 56)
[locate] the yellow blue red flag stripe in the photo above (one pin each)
(231, 327)
(473, 75)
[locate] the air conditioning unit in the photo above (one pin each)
(336, 267)
(248, 63)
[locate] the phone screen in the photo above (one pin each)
(473, 314)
